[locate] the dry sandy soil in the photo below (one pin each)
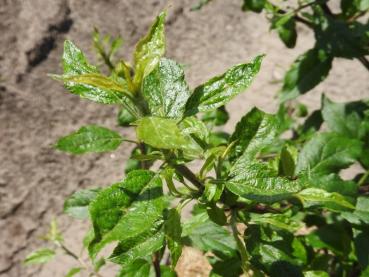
(35, 111)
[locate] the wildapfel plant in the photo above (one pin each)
(264, 203)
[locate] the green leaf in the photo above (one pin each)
(216, 214)
(333, 237)
(258, 182)
(361, 212)
(253, 132)
(90, 138)
(226, 268)
(161, 133)
(347, 119)
(319, 197)
(73, 271)
(141, 246)
(125, 118)
(173, 234)
(208, 236)
(307, 71)
(139, 268)
(280, 221)
(315, 273)
(328, 153)
(287, 161)
(166, 271)
(165, 90)
(253, 5)
(361, 243)
(331, 183)
(216, 117)
(149, 50)
(77, 204)
(83, 79)
(195, 130)
(341, 38)
(74, 61)
(286, 28)
(40, 256)
(221, 89)
(128, 210)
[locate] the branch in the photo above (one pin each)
(189, 175)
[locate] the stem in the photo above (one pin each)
(240, 245)
(188, 174)
(156, 264)
(144, 164)
(78, 259)
(363, 178)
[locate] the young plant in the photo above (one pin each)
(263, 204)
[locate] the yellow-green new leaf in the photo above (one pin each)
(40, 256)
(319, 197)
(149, 50)
(160, 133)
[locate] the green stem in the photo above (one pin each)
(156, 263)
(240, 245)
(78, 259)
(188, 174)
(363, 178)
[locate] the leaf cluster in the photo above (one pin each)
(264, 203)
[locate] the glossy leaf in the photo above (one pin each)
(139, 268)
(253, 132)
(330, 200)
(173, 234)
(40, 256)
(281, 221)
(127, 210)
(83, 79)
(328, 153)
(77, 204)
(135, 248)
(90, 138)
(149, 50)
(165, 90)
(307, 71)
(221, 89)
(258, 182)
(160, 133)
(208, 236)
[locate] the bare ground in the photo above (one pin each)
(35, 111)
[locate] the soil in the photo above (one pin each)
(35, 110)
